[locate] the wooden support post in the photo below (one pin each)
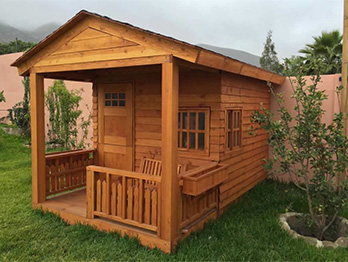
(169, 223)
(38, 164)
(90, 193)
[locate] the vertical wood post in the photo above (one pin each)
(90, 193)
(344, 92)
(169, 224)
(38, 164)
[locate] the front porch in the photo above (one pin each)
(125, 201)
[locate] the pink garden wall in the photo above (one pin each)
(329, 83)
(12, 85)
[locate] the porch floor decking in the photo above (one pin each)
(73, 202)
(71, 207)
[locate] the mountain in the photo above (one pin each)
(235, 54)
(9, 33)
(44, 31)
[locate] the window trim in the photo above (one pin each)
(227, 131)
(206, 132)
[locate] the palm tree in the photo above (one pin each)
(325, 51)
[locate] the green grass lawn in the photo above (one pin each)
(249, 230)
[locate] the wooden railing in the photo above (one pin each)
(67, 170)
(194, 207)
(200, 191)
(123, 196)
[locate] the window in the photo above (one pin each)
(233, 128)
(115, 99)
(193, 126)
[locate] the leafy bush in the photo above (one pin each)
(2, 97)
(19, 114)
(15, 46)
(312, 153)
(65, 116)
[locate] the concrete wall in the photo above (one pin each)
(13, 88)
(329, 83)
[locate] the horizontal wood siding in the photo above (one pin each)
(245, 169)
(196, 89)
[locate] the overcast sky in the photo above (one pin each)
(237, 24)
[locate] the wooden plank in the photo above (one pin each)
(136, 201)
(124, 197)
(113, 198)
(38, 162)
(119, 199)
(116, 63)
(170, 187)
(90, 194)
(104, 197)
(56, 42)
(130, 202)
(99, 196)
(185, 52)
(141, 200)
(98, 55)
(147, 208)
(104, 42)
(154, 207)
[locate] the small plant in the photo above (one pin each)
(19, 114)
(2, 97)
(65, 116)
(312, 153)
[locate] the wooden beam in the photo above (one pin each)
(141, 61)
(37, 138)
(169, 209)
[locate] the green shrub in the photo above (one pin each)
(65, 116)
(19, 114)
(312, 153)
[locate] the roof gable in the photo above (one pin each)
(88, 37)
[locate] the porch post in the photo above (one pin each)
(37, 138)
(169, 223)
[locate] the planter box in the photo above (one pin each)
(200, 180)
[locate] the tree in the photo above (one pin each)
(19, 114)
(303, 143)
(324, 56)
(15, 46)
(65, 116)
(269, 59)
(2, 97)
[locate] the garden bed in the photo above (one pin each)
(295, 224)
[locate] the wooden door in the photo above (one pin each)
(116, 125)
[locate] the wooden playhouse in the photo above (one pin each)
(171, 148)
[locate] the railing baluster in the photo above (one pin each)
(113, 198)
(130, 201)
(141, 200)
(108, 193)
(98, 195)
(124, 197)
